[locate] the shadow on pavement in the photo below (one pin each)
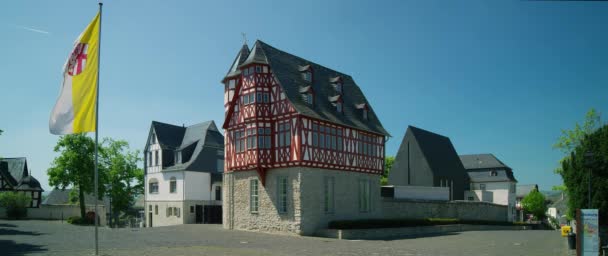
(11, 248)
(7, 225)
(13, 232)
(406, 237)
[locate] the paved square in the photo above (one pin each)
(55, 238)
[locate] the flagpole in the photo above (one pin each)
(97, 134)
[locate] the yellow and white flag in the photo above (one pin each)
(74, 111)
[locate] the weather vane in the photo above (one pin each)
(244, 37)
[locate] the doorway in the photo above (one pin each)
(150, 215)
(199, 214)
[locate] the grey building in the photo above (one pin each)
(428, 159)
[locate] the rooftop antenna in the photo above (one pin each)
(244, 37)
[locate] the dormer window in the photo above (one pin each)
(307, 94)
(337, 83)
(178, 157)
(338, 87)
(493, 173)
(308, 98)
(306, 73)
(337, 101)
(364, 110)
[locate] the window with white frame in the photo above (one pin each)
(173, 185)
(364, 195)
(156, 158)
(365, 115)
(328, 192)
(149, 158)
(156, 210)
(251, 138)
(153, 186)
(339, 107)
(254, 202)
(282, 191)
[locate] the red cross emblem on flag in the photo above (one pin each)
(78, 59)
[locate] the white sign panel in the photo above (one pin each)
(590, 239)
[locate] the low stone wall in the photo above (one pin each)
(420, 209)
(59, 212)
(392, 233)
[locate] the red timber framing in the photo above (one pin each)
(264, 131)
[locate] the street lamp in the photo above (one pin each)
(588, 164)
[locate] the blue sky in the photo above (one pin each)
(495, 77)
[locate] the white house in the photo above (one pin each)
(183, 174)
(490, 181)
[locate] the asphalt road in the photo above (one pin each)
(54, 238)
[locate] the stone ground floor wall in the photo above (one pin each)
(305, 205)
(237, 211)
(162, 218)
(59, 212)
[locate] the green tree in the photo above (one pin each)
(75, 167)
(535, 203)
(570, 139)
(575, 173)
(125, 178)
(388, 164)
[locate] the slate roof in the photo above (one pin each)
(169, 136)
(486, 176)
(62, 197)
(438, 151)
(524, 190)
(482, 161)
(204, 139)
(287, 70)
(15, 171)
(238, 60)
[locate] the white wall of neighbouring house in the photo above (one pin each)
(422, 193)
(164, 179)
(502, 193)
(198, 186)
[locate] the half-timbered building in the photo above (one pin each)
(303, 146)
(15, 176)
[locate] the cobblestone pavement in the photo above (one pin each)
(56, 238)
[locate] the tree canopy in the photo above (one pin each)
(75, 166)
(535, 203)
(125, 179)
(570, 139)
(388, 165)
(575, 173)
(119, 176)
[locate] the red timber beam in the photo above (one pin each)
(235, 98)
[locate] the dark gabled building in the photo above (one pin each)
(428, 159)
(15, 176)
